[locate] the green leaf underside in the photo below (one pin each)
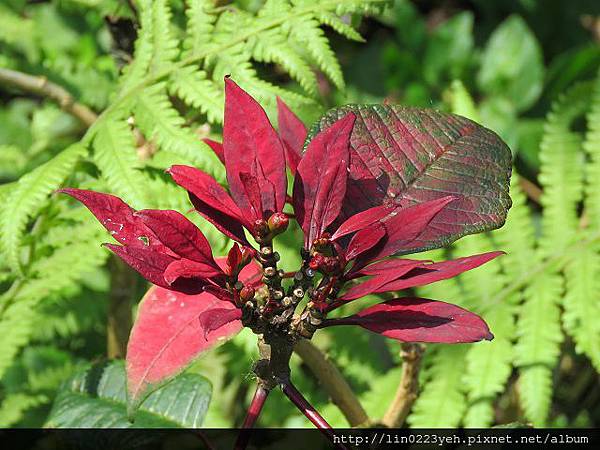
(96, 398)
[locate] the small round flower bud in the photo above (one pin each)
(299, 292)
(316, 262)
(247, 293)
(278, 223)
(270, 272)
(260, 228)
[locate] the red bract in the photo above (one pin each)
(373, 183)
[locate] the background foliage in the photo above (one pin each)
(153, 70)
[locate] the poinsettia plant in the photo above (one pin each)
(371, 183)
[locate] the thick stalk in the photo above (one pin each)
(333, 382)
(408, 389)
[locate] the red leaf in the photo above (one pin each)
(179, 234)
(250, 141)
(167, 336)
(293, 134)
(379, 279)
(118, 218)
(211, 201)
(253, 194)
(389, 266)
(364, 240)
(363, 219)
(186, 268)
(216, 318)
(320, 182)
(419, 275)
(216, 147)
(411, 155)
(430, 273)
(420, 320)
(148, 263)
(407, 225)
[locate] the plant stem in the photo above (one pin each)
(333, 382)
(120, 319)
(41, 86)
(310, 412)
(408, 388)
(258, 401)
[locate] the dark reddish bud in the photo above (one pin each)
(278, 223)
(260, 228)
(316, 262)
(331, 264)
(322, 242)
(247, 293)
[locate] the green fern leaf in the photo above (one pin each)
(198, 91)
(561, 170)
(27, 196)
(200, 26)
(538, 344)
(14, 406)
(592, 150)
(134, 73)
(581, 306)
(442, 403)
(165, 47)
(116, 157)
(160, 122)
(340, 26)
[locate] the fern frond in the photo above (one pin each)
(538, 344)
(198, 91)
(16, 327)
(580, 303)
(340, 26)
(134, 73)
(27, 196)
(442, 402)
(592, 150)
(165, 48)
(200, 24)
(160, 122)
(561, 169)
(309, 33)
(116, 157)
(517, 237)
(14, 406)
(461, 102)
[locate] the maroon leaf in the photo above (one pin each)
(214, 319)
(293, 134)
(216, 147)
(379, 279)
(148, 263)
(364, 240)
(249, 141)
(411, 155)
(186, 268)
(178, 233)
(167, 336)
(389, 266)
(211, 201)
(117, 217)
(363, 219)
(406, 226)
(420, 320)
(419, 275)
(320, 182)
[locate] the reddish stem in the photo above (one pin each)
(309, 411)
(258, 401)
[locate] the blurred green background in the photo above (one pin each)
(527, 69)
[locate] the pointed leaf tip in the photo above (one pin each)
(320, 182)
(251, 144)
